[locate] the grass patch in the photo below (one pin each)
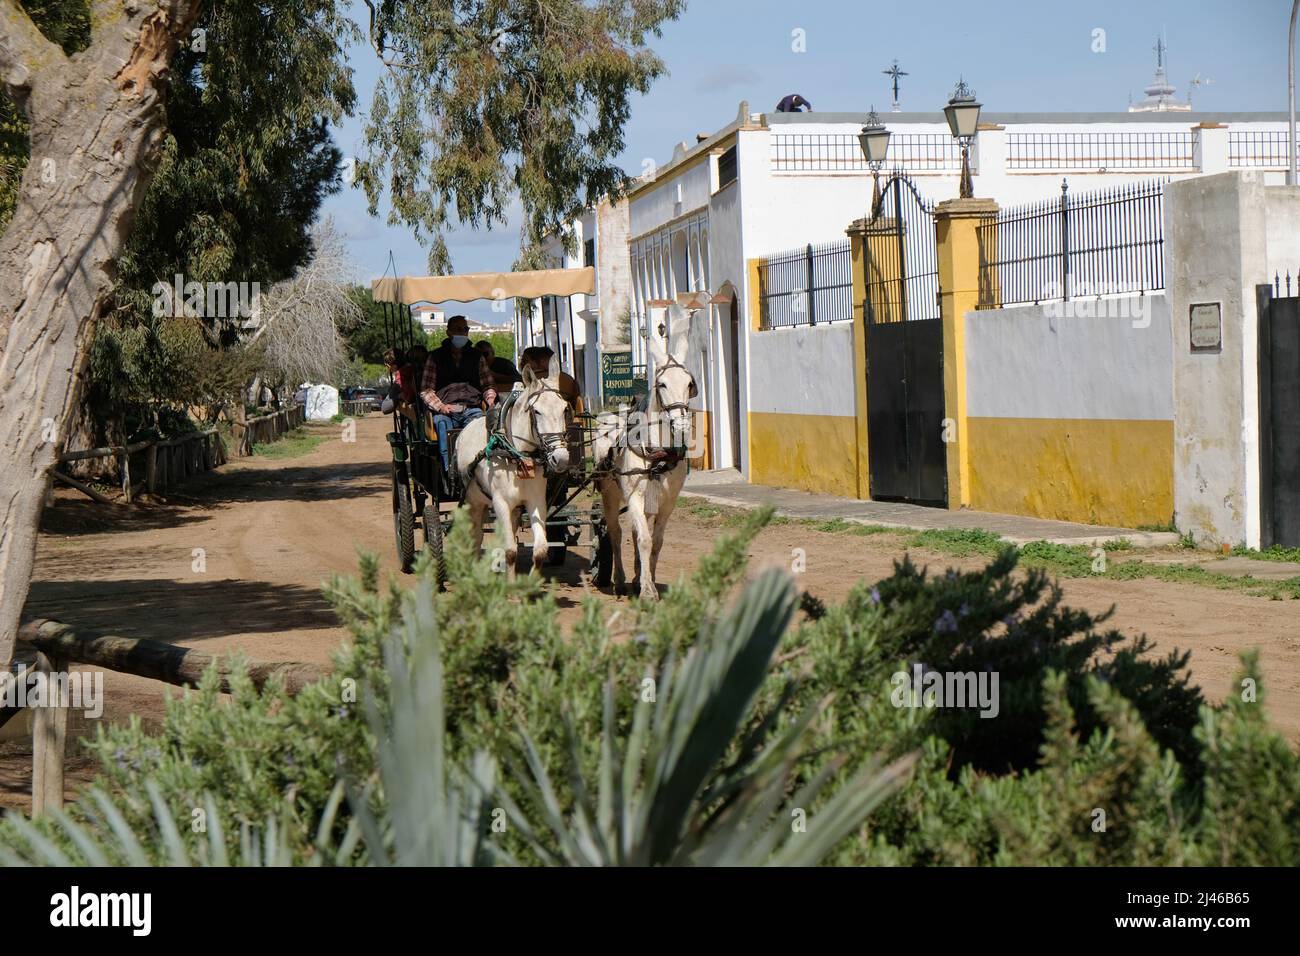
(1061, 560)
(958, 542)
(1275, 553)
(294, 444)
(840, 526)
(1078, 561)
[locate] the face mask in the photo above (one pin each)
(459, 341)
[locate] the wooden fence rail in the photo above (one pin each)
(267, 428)
(355, 409)
(168, 463)
(53, 646)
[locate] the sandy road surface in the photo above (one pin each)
(271, 531)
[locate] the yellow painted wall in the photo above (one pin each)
(812, 452)
(1096, 471)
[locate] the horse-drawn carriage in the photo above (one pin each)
(426, 493)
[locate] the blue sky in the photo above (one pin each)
(1018, 56)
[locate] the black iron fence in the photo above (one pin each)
(901, 259)
(1258, 148)
(1101, 243)
(812, 285)
(841, 152)
(1101, 151)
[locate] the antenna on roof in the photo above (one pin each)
(1195, 82)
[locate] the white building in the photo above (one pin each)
(580, 327)
(771, 183)
(430, 317)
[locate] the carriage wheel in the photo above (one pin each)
(602, 562)
(433, 543)
(403, 522)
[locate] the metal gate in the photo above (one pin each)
(1279, 414)
(908, 459)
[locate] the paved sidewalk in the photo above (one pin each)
(726, 487)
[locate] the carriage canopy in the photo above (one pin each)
(408, 290)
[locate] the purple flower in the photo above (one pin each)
(964, 610)
(875, 595)
(947, 623)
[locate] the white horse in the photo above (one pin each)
(646, 458)
(535, 429)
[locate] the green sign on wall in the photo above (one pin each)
(619, 383)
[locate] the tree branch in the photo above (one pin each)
(24, 51)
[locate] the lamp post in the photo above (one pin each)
(963, 115)
(874, 140)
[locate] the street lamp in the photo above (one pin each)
(874, 140)
(963, 114)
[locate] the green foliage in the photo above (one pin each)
(245, 163)
(522, 98)
(374, 334)
(697, 728)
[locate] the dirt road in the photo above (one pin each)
(236, 561)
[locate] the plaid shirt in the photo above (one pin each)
(428, 383)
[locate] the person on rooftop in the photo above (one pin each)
(793, 103)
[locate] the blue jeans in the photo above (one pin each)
(445, 423)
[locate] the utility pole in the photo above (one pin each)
(1291, 179)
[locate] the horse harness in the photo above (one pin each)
(504, 444)
(662, 459)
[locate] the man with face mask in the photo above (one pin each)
(456, 379)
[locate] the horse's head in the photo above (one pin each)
(674, 385)
(548, 412)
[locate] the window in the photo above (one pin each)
(589, 252)
(727, 168)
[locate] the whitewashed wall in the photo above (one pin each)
(1105, 359)
(803, 370)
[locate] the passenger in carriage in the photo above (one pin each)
(456, 381)
(538, 358)
(504, 373)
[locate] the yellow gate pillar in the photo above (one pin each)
(956, 223)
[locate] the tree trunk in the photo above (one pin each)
(96, 125)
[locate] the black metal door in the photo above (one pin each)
(1279, 418)
(908, 460)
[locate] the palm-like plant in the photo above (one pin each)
(664, 796)
(681, 789)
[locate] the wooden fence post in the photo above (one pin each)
(49, 742)
(151, 468)
(124, 455)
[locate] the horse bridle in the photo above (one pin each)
(691, 392)
(549, 441)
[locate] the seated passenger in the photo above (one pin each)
(456, 380)
(504, 373)
(394, 365)
(538, 358)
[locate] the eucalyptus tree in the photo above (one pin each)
(481, 100)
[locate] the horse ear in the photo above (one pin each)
(679, 332)
(530, 379)
(658, 354)
(553, 370)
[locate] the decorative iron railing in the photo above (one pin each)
(1101, 151)
(1266, 148)
(812, 285)
(1101, 243)
(841, 152)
